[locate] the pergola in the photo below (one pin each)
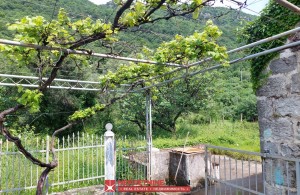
(33, 82)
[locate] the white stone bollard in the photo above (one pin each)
(110, 159)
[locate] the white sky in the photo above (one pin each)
(254, 6)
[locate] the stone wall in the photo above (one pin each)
(278, 102)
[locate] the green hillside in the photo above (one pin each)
(151, 35)
(233, 95)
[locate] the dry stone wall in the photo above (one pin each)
(279, 108)
(278, 102)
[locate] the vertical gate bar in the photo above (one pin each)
(19, 168)
(220, 174)
(230, 174)
(73, 157)
(88, 157)
(215, 174)
(118, 159)
(19, 174)
(123, 159)
(68, 152)
(31, 174)
(121, 153)
(298, 176)
(52, 177)
(37, 169)
(25, 166)
(13, 167)
(43, 157)
(58, 166)
(1, 156)
(128, 163)
(249, 167)
(287, 176)
(102, 153)
(210, 165)
(83, 144)
(210, 174)
(47, 161)
(97, 156)
(236, 177)
(271, 178)
(263, 173)
(243, 176)
(6, 170)
(92, 155)
(63, 161)
(225, 173)
(256, 175)
(206, 171)
(78, 157)
(102, 156)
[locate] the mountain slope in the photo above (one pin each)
(225, 102)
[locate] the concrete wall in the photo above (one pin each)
(278, 103)
(160, 165)
(191, 169)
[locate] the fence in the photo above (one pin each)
(80, 163)
(131, 159)
(256, 173)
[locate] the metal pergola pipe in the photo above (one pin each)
(254, 44)
(219, 65)
(233, 51)
(35, 46)
(70, 51)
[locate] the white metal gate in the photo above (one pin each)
(253, 173)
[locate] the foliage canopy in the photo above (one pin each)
(274, 19)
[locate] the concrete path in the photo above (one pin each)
(247, 174)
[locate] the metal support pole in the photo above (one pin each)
(206, 170)
(149, 133)
(47, 161)
(298, 176)
(110, 159)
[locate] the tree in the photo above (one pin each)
(169, 102)
(67, 34)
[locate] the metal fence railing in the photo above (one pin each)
(131, 159)
(80, 163)
(254, 173)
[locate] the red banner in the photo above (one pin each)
(154, 188)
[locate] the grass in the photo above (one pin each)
(237, 135)
(74, 164)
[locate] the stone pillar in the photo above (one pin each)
(110, 160)
(278, 102)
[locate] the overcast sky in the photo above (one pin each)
(253, 6)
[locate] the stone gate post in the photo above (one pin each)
(278, 102)
(110, 160)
